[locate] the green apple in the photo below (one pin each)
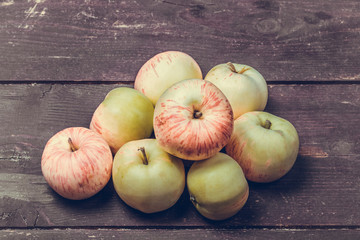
(244, 86)
(146, 177)
(265, 146)
(123, 116)
(217, 187)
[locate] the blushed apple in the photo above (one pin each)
(265, 146)
(244, 86)
(123, 116)
(164, 70)
(146, 177)
(217, 187)
(193, 120)
(76, 163)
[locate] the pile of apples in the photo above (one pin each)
(144, 136)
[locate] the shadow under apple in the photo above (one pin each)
(97, 202)
(267, 201)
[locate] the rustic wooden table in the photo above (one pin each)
(59, 58)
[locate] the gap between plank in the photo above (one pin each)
(288, 228)
(330, 82)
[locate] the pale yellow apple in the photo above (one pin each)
(244, 86)
(146, 177)
(217, 187)
(265, 146)
(163, 70)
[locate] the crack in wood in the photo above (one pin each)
(22, 217)
(46, 91)
(36, 218)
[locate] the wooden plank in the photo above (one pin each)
(321, 190)
(288, 234)
(52, 40)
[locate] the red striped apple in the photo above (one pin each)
(193, 120)
(163, 70)
(217, 187)
(265, 146)
(244, 86)
(146, 177)
(76, 163)
(123, 116)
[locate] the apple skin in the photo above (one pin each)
(123, 116)
(148, 188)
(163, 70)
(185, 135)
(217, 187)
(265, 154)
(79, 173)
(244, 86)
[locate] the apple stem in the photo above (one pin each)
(197, 114)
(267, 124)
(145, 160)
(233, 69)
(193, 199)
(244, 69)
(231, 66)
(72, 145)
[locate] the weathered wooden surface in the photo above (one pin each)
(210, 234)
(322, 189)
(58, 59)
(97, 40)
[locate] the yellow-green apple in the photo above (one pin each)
(76, 163)
(123, 116)
(243, 85)
(146, 177)
(265, 146)
(217, 187)
(163, 70)
(193, 120)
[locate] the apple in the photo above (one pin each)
(245, 87)
(217, 187)
(146, 177)
(123, 116)
(193, 119)
(76, 163)
(266, 146)
(163, 70)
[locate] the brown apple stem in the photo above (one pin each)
(72, 145)
(231, 66)
(267, 124)
(144, 159)
(197, 114)
(233, 69)
(192, 199)
(244, 69)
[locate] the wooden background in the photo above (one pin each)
(59, 58)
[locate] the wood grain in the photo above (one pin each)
(52, 40)
(231, 234)
(59, 58)
(321, 190)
